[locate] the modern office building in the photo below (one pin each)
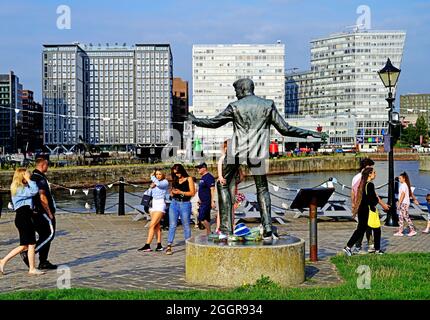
(180, 106)
(217, 67)
(10, 111)
(30, 129)
(109, 95)
(414, 105)
(343, 80)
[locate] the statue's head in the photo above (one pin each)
(243, 87)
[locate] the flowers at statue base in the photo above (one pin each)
(240, 197)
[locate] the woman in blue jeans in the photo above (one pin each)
(183, 190)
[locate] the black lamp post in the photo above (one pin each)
(389, 76)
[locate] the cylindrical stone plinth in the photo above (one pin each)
(237, 263)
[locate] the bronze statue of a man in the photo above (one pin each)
(252, 118)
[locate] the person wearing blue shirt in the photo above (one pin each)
(159, 187)
(206, 196)
(22, 190)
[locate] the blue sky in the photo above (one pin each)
(26, 25)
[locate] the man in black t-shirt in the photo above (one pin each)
(206, 196)
(43, 218)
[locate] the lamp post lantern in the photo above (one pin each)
(389, 76)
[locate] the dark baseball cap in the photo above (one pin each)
(202, 165)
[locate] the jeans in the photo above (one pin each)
(182, 209)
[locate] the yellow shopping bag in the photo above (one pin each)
(373, 220)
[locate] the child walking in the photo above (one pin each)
(405, 194)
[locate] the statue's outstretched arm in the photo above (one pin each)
(216, 122)
(286, 130)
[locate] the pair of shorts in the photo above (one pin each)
(25, 225)
(204, 213)
(158, 205)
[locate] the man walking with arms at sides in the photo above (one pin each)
(44, 215)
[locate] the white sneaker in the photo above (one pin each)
(347, 251)
(358, 251)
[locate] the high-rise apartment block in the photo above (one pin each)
(217, 67)
(343, 81)
(108, 95)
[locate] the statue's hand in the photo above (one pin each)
(314, 134)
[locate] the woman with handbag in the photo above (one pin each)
(368, 216)
(183, 190)
(159, 187)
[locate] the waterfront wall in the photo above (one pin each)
(425, 163)
(90, 176)
(397, 156)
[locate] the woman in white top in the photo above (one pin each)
(405, 193)
(159, 187)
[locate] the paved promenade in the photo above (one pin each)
(101, 252)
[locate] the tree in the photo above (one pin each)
(422, 129)
(411, 134)
(324, 137)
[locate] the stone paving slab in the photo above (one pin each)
(101, 252)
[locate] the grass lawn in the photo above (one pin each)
(393, 276)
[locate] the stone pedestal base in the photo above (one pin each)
(235, 263)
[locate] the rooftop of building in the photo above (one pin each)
(107, 46)
(358, 32)
(245, 45)
(414, 94)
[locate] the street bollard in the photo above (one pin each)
(121, 202)
(313, 232)
(100, 198)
